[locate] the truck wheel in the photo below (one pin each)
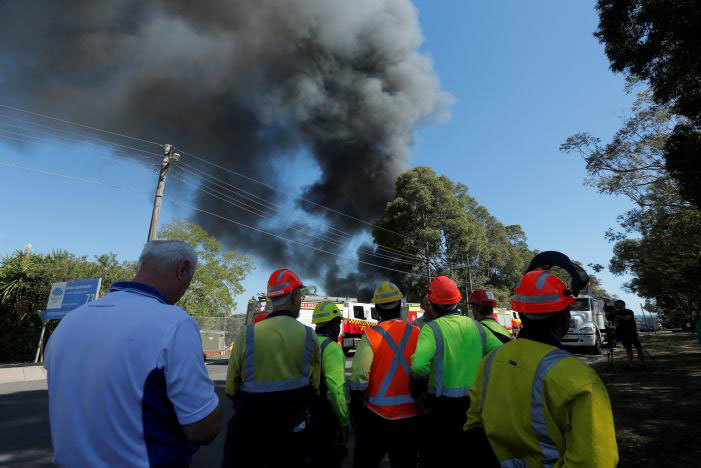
(596, 349)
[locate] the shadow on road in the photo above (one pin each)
(24, 425)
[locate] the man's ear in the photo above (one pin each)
(183, 269)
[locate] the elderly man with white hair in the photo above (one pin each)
(127, 385)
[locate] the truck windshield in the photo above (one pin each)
(581, 305)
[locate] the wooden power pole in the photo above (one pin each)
(169, 155)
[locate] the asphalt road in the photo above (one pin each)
(26, 438)
(24, 423)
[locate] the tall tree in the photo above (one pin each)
(450, 234)
(219, 273)
(658, 41)
(660, 242)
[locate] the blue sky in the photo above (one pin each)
(524, 76)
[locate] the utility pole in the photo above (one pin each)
(468, 277)
(169, 155)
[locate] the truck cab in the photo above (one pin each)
(588, 325)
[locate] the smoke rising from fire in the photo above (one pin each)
(246, 84)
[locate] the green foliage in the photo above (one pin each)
(659, 42)
(660, 244)
(452, 235)
(218, 276)
(25, 282)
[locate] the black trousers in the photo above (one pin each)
(376, 437)
(443, 428)
(444, 439)
(325, 451)
(268, 430)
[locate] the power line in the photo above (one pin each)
(79, 179)
(31, 138)
(367, 223)
(284, 238)
(265, 215)
(106, 142)
(339, 233)
(282, 191)
(79, 124)
(131, 189)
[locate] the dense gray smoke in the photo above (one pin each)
(246, 84)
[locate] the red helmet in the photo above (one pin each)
(282, 282)
(482, 297)
(443, 290)
(541, 292)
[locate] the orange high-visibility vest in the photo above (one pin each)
(393, 342)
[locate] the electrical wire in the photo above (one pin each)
(266, 215)
(17, 109)
(367, 223)
(79, 179)
(35, 139)
(80, 135)
(276, 206)
(185, 205)
(176, 202)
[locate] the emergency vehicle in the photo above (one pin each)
(356, 315)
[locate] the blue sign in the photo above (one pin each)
(68, 295)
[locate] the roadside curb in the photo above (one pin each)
(22, 373)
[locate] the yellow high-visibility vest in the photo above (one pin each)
(274, 355)
(541, 406)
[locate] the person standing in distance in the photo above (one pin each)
(482, 304)
(627, 332)
(272, 378)
(127, 385)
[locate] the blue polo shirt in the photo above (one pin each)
(125, 373)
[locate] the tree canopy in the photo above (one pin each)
(660, 240)
(658, 41)
(219, 273)
(25, 283)
(448, 233)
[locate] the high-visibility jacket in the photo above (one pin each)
(277, 354)
(450, 348)
(501, 333)
(333, 370)
(541, 406)
(381, 369)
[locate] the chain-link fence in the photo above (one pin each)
(219, 332)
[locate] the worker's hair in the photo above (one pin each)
(619, 301)
(442, 309)
(165, 254)
(389, 311)
(543, 321)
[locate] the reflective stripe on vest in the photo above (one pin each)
(550, 453)
(381, 399)
(439, 362)
(326, 342)
(250, 385)
(548, 448)
(513, 463)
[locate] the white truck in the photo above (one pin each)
(588, 326)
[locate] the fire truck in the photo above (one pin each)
(356, 315)
(508, 319)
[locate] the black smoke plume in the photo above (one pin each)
(246, 84)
